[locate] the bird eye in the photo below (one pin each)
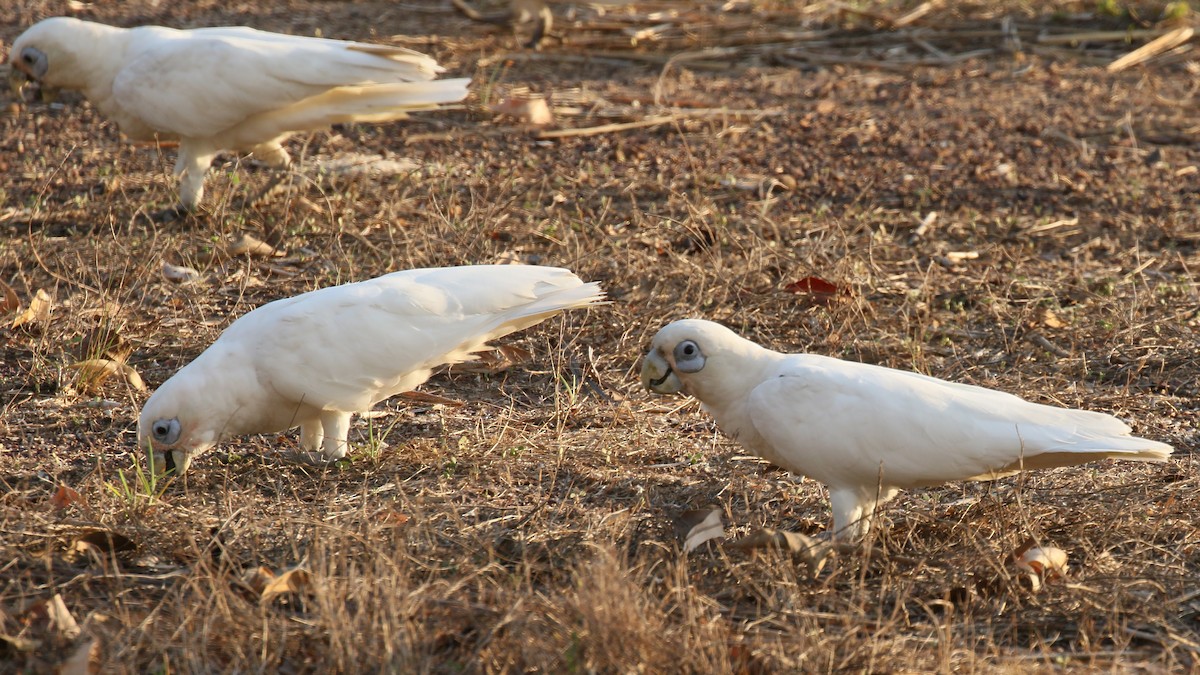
(688, 357)
(165, 431)
(27, 58)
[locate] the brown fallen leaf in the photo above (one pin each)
(94, 372)
(804, 549)
(53, 615)
(38, 311)
(698, 526)
(1050, 319)
(295, 580)
(19, 644)
(249, 245)
(1040, 564)
(528, 109)
(64, 497)
(99, 545)
(10, 303)
(816, 291)
(179, 273)
(85, 660)
(257, 579)
(391, 518)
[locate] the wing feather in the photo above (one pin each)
(347, 347)
(848, 424)
(241, 72)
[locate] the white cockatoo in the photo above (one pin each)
(314, 359)
(867, 431)
(231, 88)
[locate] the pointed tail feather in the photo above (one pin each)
(550, 304)
(370, 104)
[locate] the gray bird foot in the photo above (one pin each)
(316, 459)
(168, 215)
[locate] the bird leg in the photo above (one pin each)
(272, 154)
(854, 509)
(275, 156)
(322, 439)
(191, 167)
(336, 425)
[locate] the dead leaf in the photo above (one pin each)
(10, 303)
(85, 660)
(101, 544)
(804, 549)
(257, 579)
(1040, 564)
(38, 311)
(391, 518)
(94, 372)
(698, 526)
(249, 245)
(19, 644)
(180, 274)
(1050, 319)
(295, 580)
(817, 290)
(529, 109)
(64, 497)
(53, 613)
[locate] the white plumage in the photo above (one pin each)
(314, 359)
(866, 431)
(234, 88)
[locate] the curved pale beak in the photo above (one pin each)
(169, 462)
(657, 375)
(172, 462)
(21, 74)
(16, 82)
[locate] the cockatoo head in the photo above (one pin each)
(697, 357)
(54, 53)
(172, 431)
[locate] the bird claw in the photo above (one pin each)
(316, 459)
(168, 215)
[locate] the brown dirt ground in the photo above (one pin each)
(530, 529)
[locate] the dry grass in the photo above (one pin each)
(531, 528)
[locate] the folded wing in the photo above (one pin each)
(849, 424)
